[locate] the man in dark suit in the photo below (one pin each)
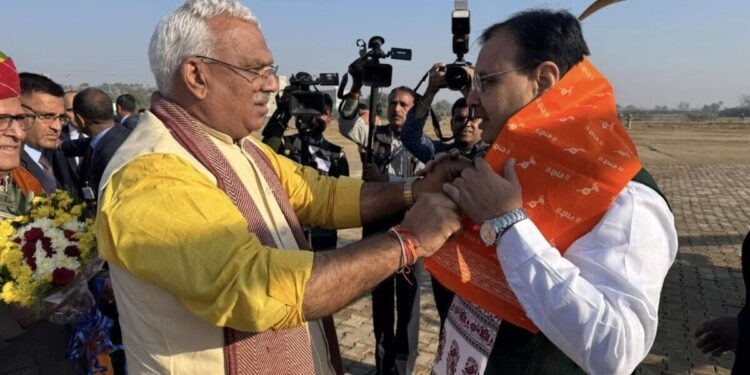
(125, 108)
(43, 98)
(67, 168)
(93, 113)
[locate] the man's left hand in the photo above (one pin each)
(483, 194)
(440, 171)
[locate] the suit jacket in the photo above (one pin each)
(110, 142)
(130, 122)
(49, 184)
(66, 168)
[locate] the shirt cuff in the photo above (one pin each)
(520, 243)
(289, 271)
(346, 207)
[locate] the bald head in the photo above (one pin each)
(68, 100)
(93, 111)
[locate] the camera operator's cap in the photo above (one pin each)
(10, 85)
(361, 106)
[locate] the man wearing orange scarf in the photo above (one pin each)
(567, 239)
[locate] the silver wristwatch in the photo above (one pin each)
(492, 229)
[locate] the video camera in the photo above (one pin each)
(299, 100)
(375, 73)
(456, 75)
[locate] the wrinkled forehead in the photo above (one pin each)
(239, 42)
(11, 106)
(401, 96)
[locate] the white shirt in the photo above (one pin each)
(598, 303)
(74, 133)
(34, 153)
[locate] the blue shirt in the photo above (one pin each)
(424, 148)
(98, 138)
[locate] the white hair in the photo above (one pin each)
(184, 33)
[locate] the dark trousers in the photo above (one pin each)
(396, 352)
(443, 300)
(323, 239)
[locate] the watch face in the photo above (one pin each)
(488, 234)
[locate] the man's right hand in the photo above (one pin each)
(433, 218)
(436, 79)
(718, 336)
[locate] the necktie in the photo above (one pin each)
(47, 167)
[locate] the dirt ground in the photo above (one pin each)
(692, 145)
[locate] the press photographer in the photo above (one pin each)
(313, 114)
(466, 134)
(456, 76)
(385, 159)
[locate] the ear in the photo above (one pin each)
(193, 74)
(546, 75)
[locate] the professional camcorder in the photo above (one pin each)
(299, 100)
(456, 75)
(374, 73)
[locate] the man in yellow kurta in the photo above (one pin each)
(201, 224)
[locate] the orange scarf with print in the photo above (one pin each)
(573, 158)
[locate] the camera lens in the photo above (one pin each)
(456, 77)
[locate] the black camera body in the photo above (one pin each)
(456, 76)
(375, 73)
(301, 100)
(304, 102)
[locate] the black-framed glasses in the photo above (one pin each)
(46, 117)
(264, 73)
(25, 120)
(476, 80)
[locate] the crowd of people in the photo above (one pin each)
(222, 252)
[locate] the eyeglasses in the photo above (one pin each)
(25, 120)
(265, 73)
(46, 117)
(476, 80)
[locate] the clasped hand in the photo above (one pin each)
(451, 183)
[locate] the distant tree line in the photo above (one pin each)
(716, 109)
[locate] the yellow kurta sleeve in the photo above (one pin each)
(319, 201)
(166, 223)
